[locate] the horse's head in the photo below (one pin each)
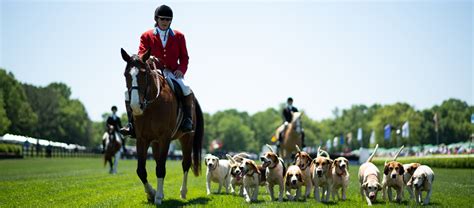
(297, 121)
(137, 76)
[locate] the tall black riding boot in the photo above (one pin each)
(187, 124)
(128, 130)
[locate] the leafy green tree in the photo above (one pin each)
(264, 124)
(16, 105)
(454, 121)
(4, 121)
(396, 115)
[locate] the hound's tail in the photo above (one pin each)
(372, 156)
(396, 156)
(297, 148)
(270, 148)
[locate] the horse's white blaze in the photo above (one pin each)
(135, 101)
(159, 191)
(184, 186)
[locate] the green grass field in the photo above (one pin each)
(86, 183)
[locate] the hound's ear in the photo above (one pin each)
(415, 166)
(309, 160)
(347, 163)
(401, 170)
(300, 179)
(257, 170)
(231, 160)
(205, 161)
(364, 185)
(385, 169)
(425, 180)
(125, 55)
(379, 187)
(287, 179)
(146, 56)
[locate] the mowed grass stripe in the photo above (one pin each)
(79, 182)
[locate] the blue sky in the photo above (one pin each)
(253, 55)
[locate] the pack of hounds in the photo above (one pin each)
(322, 175)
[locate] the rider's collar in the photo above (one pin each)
(157, 31)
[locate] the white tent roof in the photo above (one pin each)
(42, 142)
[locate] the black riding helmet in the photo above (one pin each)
(163, 11)
(114, 108)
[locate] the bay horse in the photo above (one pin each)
(112, 143)
(291, 137)
(155, 112)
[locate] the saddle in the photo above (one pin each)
(178, 92)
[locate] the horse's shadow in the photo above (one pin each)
(179, 203)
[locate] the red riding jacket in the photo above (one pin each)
(173, 57)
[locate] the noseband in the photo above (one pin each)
(146, 102)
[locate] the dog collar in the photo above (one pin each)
(274, 166)
(343, 173)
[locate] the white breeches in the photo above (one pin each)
(182, 83)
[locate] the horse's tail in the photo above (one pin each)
(198, 138)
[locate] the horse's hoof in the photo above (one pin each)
(183, 195)
(158, 202)
(159, 199)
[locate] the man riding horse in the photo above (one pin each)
(156, 92)
(287, 118)
(114, 120)
(169, 53)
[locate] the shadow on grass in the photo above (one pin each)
(179, 203)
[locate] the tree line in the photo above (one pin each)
(42, 112)
(241, 131)
(50, 113)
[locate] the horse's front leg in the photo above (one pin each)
(142, 148)
(160, 154)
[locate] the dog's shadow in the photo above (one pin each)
(179, 203)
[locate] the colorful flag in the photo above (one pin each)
(359, 134)
(387, 132)
(372, 137)
(328, 144)
(334, 144)
(405, 130)
(342, 139)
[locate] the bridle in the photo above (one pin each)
(146, 102)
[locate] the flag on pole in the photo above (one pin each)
(372, 137)
(334, 144)
(359, 134)
(387, 132)
(406, 130)
(435, 119)
(328, 144)
(342, 139)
